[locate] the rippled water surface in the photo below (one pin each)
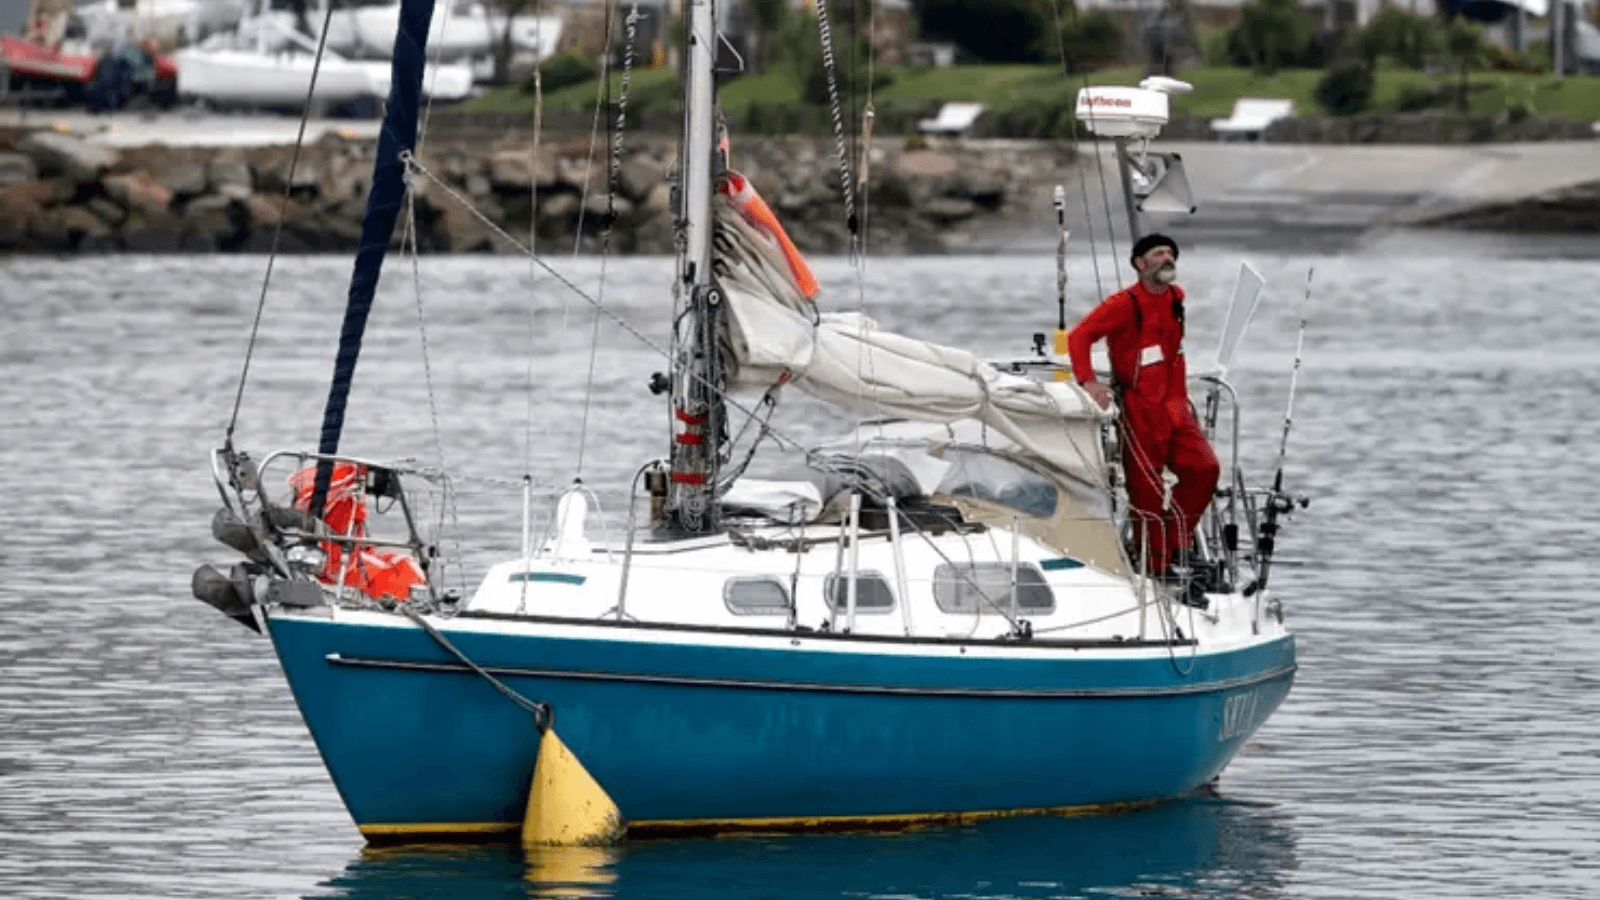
(1442, 739)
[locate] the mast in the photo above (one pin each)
(697, 378)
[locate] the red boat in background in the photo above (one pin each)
(51, 63)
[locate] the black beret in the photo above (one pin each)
(1150, 242)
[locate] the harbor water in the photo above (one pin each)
(1442, 739)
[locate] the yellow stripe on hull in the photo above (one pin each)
(782, 824)
(885, 822)
(388, 832)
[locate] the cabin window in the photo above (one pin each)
(985, 588)
(975, 473)
(759, 596)
(872, 592)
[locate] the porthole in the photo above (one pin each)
(756, 596)
(985, 588)
(872, 592)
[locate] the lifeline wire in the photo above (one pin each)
(277, 233)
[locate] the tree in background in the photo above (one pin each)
(1464, 42)
(799, 46)
(504, 48)
(1090, 38)
(771, 19)
(995, 31)
(1401, 37)
(1274, 34)
(1022, 31)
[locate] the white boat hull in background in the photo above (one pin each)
(250, 77)
(454, 31)
(441, 81)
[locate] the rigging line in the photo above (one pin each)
(561, 279)
(825, 32)
(539, 709)
(438, 49)
(868, 119)
(613, 178)
(1083, 182)
(854, 87)
(856, 233)
(622, 323)
(448, 500)
(602, 99)
(277, 232)
(533, 241)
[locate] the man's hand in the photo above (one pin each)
(1099, 393)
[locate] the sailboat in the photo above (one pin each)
(941, 618)
(266, 61)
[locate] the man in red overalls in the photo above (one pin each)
(1143, 329)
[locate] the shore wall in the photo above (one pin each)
(59, 193)
(484, 192)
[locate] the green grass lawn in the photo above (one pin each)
(1012, 87)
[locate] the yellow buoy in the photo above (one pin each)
(566, 806)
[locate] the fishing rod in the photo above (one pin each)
(1279, 502)
(1061, 265)
(1059, 344)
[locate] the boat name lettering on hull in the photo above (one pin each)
(1238, 714)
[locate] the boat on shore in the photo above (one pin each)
(266, 62)
(941, 616)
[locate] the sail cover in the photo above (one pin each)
(845, 359)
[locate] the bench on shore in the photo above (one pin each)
(1251, 116)
(953, 118)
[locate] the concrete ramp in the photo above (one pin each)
(1279, 189)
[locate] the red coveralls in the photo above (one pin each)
(1158, 425)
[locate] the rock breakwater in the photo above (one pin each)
(62, 194)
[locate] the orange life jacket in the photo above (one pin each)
(374, 572)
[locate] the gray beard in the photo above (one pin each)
(1167, 274)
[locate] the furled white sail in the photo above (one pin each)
(845, 359)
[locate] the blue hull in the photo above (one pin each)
(686, 734)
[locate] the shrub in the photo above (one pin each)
(1346, 88)
(1417, 99)
(564, 70)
